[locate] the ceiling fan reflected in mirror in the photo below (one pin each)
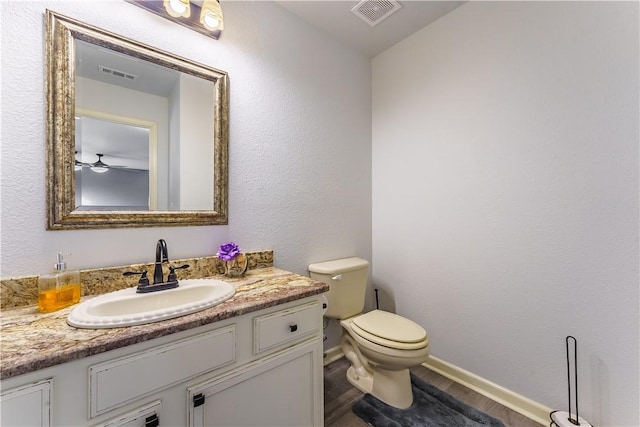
(101, 167)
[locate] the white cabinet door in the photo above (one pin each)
(284, 389)
(28, 405)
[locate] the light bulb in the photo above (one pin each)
(210, 21)
(211, 15)
(177, 8)
(99, 169)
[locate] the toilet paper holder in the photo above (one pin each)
(563, 418)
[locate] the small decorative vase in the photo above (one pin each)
(237, 267)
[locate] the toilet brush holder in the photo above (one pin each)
(564, 418)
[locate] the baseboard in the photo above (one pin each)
(518, 403)
(514, 401)
(332, 354)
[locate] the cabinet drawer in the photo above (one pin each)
(146, 415)
(111, 385)
(285, 326)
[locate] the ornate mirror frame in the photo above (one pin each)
(61, 32)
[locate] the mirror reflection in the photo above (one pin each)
(135, 136)
(121, 178)
(119, 100)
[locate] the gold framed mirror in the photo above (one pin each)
(102, 90)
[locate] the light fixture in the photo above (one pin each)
(99, 166)
(211, 15)
(203, 16)
(177, 8)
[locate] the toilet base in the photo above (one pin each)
(362, 383)
(391, 387)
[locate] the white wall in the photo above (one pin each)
(129, 190)
(196, 159)
(505, 195)
(173, 196)
(300, 140)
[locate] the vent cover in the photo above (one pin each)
(375, 11)
(116, 73)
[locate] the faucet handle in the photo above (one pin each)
(172, 272)
(144, 280)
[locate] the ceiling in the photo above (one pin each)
(335, 17)
(123, 70)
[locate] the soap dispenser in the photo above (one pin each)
(59, 289)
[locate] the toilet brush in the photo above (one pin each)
(563, 418)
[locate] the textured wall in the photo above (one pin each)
(300, 135)
(505, 195)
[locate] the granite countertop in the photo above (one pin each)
(31, 341)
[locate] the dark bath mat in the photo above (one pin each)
(431, 408)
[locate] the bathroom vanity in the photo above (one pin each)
(254, 360)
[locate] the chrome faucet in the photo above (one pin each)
(161, 257)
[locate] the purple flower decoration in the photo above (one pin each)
(228, 251)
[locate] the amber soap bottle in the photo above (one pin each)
(59, 289)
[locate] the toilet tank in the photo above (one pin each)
(347, 280)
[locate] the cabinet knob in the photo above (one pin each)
(293, 327)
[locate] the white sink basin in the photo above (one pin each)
(128, 308)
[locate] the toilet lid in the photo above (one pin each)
(390, 330)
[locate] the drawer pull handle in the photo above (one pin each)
(293, 327)
(152, 421)
(198, 400)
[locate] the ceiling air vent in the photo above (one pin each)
(374, 11)
(116, 73)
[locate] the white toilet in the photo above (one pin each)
(381, 346)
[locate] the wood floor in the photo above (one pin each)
(339, 396)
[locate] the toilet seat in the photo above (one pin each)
(389, 330)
